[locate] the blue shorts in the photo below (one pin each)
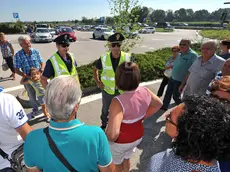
(41, 100)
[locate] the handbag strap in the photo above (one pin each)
(4, 155)
(56, 152)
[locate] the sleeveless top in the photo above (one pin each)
(134, 107)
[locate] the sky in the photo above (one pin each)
(62, 10)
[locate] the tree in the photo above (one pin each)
(201, 15)
(190, 14)
(125, 21)
(157, 16)
(169, 16)
(180, 14)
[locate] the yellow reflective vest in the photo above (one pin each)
(108, 74)
(60, 67)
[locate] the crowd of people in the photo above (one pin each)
(199, 124)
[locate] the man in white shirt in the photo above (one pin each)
(13, 127)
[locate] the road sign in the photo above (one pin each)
(102, 19)
(15, 15)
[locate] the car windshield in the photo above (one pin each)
(106, 30)
(42, 30)
(66, 30)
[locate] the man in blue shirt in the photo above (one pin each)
(180, 69)
(24, 60)
(86, 148)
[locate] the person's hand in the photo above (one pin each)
(181, 88)
(41, 70)
(100, 85)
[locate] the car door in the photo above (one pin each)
(97, 32)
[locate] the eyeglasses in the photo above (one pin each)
(181, 44)
(64, 45)
(115, 44)
(168, 118)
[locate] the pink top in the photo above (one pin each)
(134, 104)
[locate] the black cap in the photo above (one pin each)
(62, 39)
(116, 38)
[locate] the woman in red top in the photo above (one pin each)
(127, 111)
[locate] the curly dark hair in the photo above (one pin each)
(203, 130)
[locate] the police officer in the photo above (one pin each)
(61, 63)
(108, 63)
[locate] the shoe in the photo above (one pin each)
(103, 127)
(34, 113)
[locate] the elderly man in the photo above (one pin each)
(24, 60)
(179, 72)
(62, 62)
(203, 70)
(108, 64)
(85, 148)
(13, 128)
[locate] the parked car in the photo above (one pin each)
(52, 31)
(86, 28)
(183, 24)
(68, 30)
(102, 33)
(148, 30)
(170, 28)
(41, 35)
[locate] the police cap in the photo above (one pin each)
(62, 39)
(116, 38)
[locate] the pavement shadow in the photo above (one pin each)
(154, 140)
(37, 120)
(6, 79)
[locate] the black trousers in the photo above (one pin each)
(162, 86)
(9, 62)
(7, 170)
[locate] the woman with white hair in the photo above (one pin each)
(84, 148)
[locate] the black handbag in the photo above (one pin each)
(56, 152)
(17, 159)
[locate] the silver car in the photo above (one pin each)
(41, 35)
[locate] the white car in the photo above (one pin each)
(102, 33)
(86, 28)
(41, 35)
(148, 30)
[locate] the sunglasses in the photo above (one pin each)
(181, 44)
(168, 118)
(115, 44)
(64, 45)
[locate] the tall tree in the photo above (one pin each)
(190, 14)
(169, 16)
(201, 15)
(180, 14)
(158, 16)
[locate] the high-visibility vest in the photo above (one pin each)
(60, 67)
(108, 74)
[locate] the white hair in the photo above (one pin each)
(62, 94)
(23, 38)
(212, 43)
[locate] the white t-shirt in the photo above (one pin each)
(12, 116)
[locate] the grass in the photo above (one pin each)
(216, 34)
(163, 30)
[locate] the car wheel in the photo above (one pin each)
(102, 37)
(94, 37)
(153, 32)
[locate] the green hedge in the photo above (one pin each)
(11, 28)
(151, 66)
